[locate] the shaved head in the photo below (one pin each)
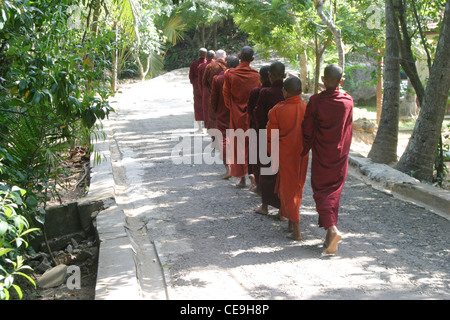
(202, 52)
(247, 54)
(277, 70)
(210, 54)
(264, 73)
(293, 86)
(333, 74)
(232, 61)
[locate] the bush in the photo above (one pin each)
(14, 228)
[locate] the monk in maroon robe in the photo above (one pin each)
(253, 169)
(268, 98)
(205, 91)
(238, 84)
(211, 70)
(193, 78)
(327, 131)
(221, 111)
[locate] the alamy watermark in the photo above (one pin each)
(190, 149)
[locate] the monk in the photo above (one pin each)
(327, 131)
(287, 117)
(214, 68)
(253, 169)
(221, 111)
(268, 98)
(193, 78)
(210, 55)
(238, 83)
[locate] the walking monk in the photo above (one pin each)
(210, 55)
(221, 111)
(253, 169)
(238, 83)
(193, 78)
(268, 98)
(287, 117)
(211, 70)
(327, 130)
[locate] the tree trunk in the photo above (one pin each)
(319, 59)
(420, 152)
(379, 87)
(304, 71)
(384, 148)
(95, 18)
(334, 30)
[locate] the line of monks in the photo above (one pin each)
(230, 95)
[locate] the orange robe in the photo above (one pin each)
(238, 84)
(287, 116)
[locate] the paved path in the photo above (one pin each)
(188, 234)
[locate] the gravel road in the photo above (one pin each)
(213, 246)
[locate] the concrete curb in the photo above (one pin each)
(116, 273)
(400, 185)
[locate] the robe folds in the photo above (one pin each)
(237, 86)
(287, 116)
(327, 131)
(268, 98)
(252, 100)
(204, 91)
(193, 78)
(211, 70)
(221, 111)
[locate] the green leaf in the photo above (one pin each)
(5, 251)
(18, 290)
(27, 277)
(3, 227)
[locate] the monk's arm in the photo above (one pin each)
(252, 101)
(272, 124)
(227, 91)
(214, 96)
(260, 110)
(308, 129)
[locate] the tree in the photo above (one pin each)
(419, 155)
(333, 28)
(384, 147)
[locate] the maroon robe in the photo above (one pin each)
(253, 168)
(193, 78)
(211, 70)
(268, 98)
(204, 91)
(327, 131)
(221, 111)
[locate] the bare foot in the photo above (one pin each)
(281, 217)
(227, 173)
(242, 183)
(294, 236)
(252, 179)
(262, 209)
(333, 238)
(295, 228)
